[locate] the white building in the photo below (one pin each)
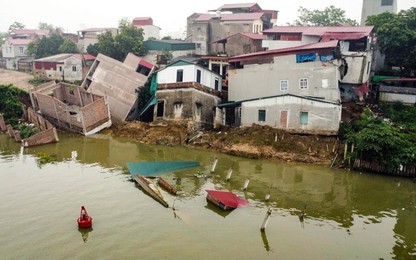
(150, 31)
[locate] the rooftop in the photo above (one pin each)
(319, 30)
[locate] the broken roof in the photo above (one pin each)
(284, 51)
(319, 30)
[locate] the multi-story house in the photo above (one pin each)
(189, 93)
(14, 49)
(150, 31)
(294, 88)
(89, 36)
(356, 48)
(227, 20)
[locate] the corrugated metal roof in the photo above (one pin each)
(204, 17)
(63, 56)
(279, 52)
(319, 30)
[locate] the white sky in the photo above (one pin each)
(169, 15)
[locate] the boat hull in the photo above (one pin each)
(149, 187)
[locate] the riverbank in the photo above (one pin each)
(250, 142)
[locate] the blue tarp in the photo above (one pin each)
(327, 57)
(305, 57)
(157, 168)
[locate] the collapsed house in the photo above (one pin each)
(118, 82)
(71, 108)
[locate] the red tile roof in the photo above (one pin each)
(235, 6)
(231, 17)
(19, 41)
(284, 51)
(319, 30)
(241, 17)
(30, 32)
(143, 21)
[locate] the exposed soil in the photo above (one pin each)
(17, 78)
(251, 142)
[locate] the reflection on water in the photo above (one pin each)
(346, 211)
(84, 233)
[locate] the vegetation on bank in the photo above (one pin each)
(388, 139)
(11, 100)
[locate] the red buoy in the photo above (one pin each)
(84, 221)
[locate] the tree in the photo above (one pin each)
(397, 38)
(330, 16)
(46, 46)
(379, 140)
(45, 26)
(93, 49)
(68, 46)
(16, 26)
(130, 39)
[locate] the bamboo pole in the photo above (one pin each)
(246, 184)
(214, 165)
(230, 172)
(266, 219)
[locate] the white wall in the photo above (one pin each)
(359, 67)
(168, 75)
(392, 97)
(263, 80)
(322, 117)
(150, 31)
(14, 51)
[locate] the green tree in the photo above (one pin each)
(68, 46)
(46, 46)
(45, 26)
(16, 26)
(397, 38)
(10, 105)
(129, 39)
(379, 140)
(167, 37)
(93, 49)
(330, 16)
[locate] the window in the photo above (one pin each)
(160, 108)
(179, 76)
(217, 83)
(21, 50)
(198, 76)
(262, 115)
(305, 57)
(284, 85)
(303, 83)
(198, 46)
(304, 118)
(74, 68)
(386, 2)
(198, 111)
(325, 83)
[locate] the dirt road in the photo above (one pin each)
(17, 78)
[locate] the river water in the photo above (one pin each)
(349, 215)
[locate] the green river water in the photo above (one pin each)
(349, 215)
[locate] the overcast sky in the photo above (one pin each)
(169, 15)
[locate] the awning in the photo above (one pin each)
(152, 101)
(230, 104)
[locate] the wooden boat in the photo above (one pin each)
(225, 200)
(165, 185)
(150, 187)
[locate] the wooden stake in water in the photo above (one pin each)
(266, 219)
(230, 172)
(267, 197)
(214, 165)
(246, 184)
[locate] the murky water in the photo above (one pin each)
(349, 215)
